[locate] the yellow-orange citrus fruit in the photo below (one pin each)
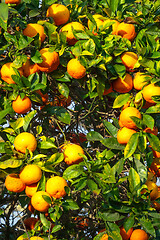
(21, 106)
(129, 59)
(125, 235)
(69, 32)
(125, 117)
(50, 60)
(55, 186)
(36, 238)
(99, 19)
(38, 201)
(126, 30)
(139, 80)
(153, 188)
(75, 69)
(139, 234)
(123, 85)
(59, 13)
(29, 68)
(155, 166)
(44, 97)
(33, 29)
(30, 174)
(7, 71)
(115, 27)
(13, 183)
(13, 1)
(151, 177)
(153, 131)
(30, 222)
(149, 91)
(25, 141)
(71, 153)
(107, 91)
(31, 189)
(124, 134)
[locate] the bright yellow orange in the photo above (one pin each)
(125, 235)
(129, 59)
(139, 80)
(7, 71)
(153, 188)
(30, 222)
(13, 1)
(59, 13)
(50, 60)
(139, 234)
(30, 174)
(33, 29)
(38, 201)
(21, 106)
(123, 85)
(71, 153)
(31, 189)
(75, 69)
(125, 115)
(36, 238)
(25, 141)
(29, 68)
(126, 30)
(13, 183)
(55, 186)
(155, 165)
(149, 91)
(124, 134)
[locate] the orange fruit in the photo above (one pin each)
(29, 68)
(155, 166)
(25, 141)
(44, 97)
(33, 29)
(36, 238)
(126, 30)
(123, 85)
(38, 201)
(59, 13)
(129, 59)
(124, 134)
(21, 106)
(55, 186)
(13, 1)
(30, 222)
(125, 115)
(13, 183)
(139, 234)
(31, 189)
(99, 19)
(50, 60)
(71, 153)
(153, 188)
(30, 174)
(7, 71)
(125, 235)
(149, 91)
(156, 205)
(75, 69)
(69, 32)
(139, 80)
(107, 91)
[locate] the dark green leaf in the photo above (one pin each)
(94, 136)
(148, 121)
(63, 89)
(131, 145)
(112, 143)
(134, 180)
(70, 204)
(73, 171)
(112, 130)
(154, 141)
(148, 226)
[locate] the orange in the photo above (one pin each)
(151, 177)
(13, 183)
(43, 96)
(55, 186)
(33, 29)
(107, 91)
(149, 91)
(129, 59)
(125, 115)
(25, 141)
(153, 131)
(7, 71)
(155, 166)
(71, 153)
(50, 60)
(21, 106)
(69, 32)
(126, 30)
(13, 1)
(124, 134)
(139, 80)
(75, 69)
(30, 222)
(99, 19)
(125, 235)
(139, 234)
(38, 201)
(30, 174)
(59, 13)
(31, 189)
(123, 85)
(156, 154)
(36, 238)
(29, 68)
(153, 188)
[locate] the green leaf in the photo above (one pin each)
(63, 89)
(134, 180)
(56, 228)
(142, 170)
(92, 185)
(3, 113)
(142, 142)
(17, 124)
(73, 171)
(46, 145)
(121, 100)
(131, 145)
(148, 121)
(154, 141)
(28, 118)
(23, 42)
(94, 136)
(129, 223)
(47, 199)
(70, 204)
(61, 113)
(112, 143)
(154, 109)
(112, 130)
(3, 15)
(148, 226)
(11, 163)
(44, 220)
(109, 216)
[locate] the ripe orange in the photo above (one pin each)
(153, 188)
(71, 153)
(59, 13)
(13, 183)
(30, 174)
(50, 60)
(30, 222)
(139, 234)
(129, 59)
(123, 85)
(69, 32)
(140, 80)
(44, 97)
(38, 201)
(125, 115)
(7, 71)
(25, 141)
(36, 238)
(55, 186)
(29, 68)
(125, 235)
(155, 166)
(13, 1)
(22, 106)
(126, 30)
(124, 134)
(31, 189)
(75, 69)
(149, 91)
(107, 91)
(33, 29)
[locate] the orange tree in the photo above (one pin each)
(73, 75)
